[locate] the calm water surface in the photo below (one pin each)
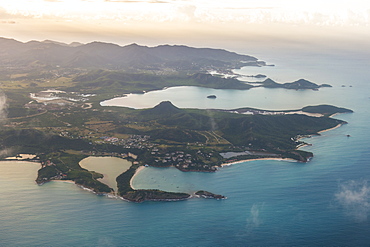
(110, 167)
(270, 203)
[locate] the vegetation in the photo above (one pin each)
(207, 194)
(154, 195)
(103, 81)
(71, 124)
(326, 110)
(299, 84)
(123, 181)
(127, 192)
(65, 166)
(165, 135)
(41, 55)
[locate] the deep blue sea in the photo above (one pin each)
(325, 202)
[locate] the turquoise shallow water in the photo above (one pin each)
(325, 202)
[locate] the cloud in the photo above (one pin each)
(354, 198)
(3, 116)
(4, 14)
(254, 219)
(6, 152)
(157, 1)
(3, 107)
(186, 12)
(251, 8)
(135, 1)
(8, 22)
(123, 1)
(202, 11)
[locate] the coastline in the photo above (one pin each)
(303, 145)
(66, 181)
(109, 195)
(322, 131)
(242, 161)
(281, 159)
(140, 168)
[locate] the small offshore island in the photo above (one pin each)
(54, 113)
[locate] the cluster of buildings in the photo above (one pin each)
(183, 161)
(134, 141)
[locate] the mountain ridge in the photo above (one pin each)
(50, 53)
(298, 84)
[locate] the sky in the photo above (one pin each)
(212, 23)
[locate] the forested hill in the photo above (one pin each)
(49, 54)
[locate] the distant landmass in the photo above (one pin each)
(99, 55)
(299, 84)
(110, 68)
(54, 91)
(108, 81)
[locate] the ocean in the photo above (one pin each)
(325, 202)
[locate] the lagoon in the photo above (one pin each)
(196, 97)
(110, 167)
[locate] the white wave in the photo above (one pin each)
(354, 197)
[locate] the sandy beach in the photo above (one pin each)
(305, 113)
(278, 159)
(136, 173)
(330, 128)
(65, 181)
(242, 161)
(22, 157)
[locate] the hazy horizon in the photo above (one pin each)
(239, 26)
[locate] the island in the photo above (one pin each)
(299, 84)
(258, 76)
(163, 136)
(54, 115)
(206, 194)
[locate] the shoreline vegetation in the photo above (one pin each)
(54, 168)
(335, 127)
(129, 193)
(54, 112)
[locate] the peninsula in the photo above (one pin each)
(163, 136)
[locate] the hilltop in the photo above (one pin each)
(107, 68)
(299, 84)
(100, 55)
(163, 109)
